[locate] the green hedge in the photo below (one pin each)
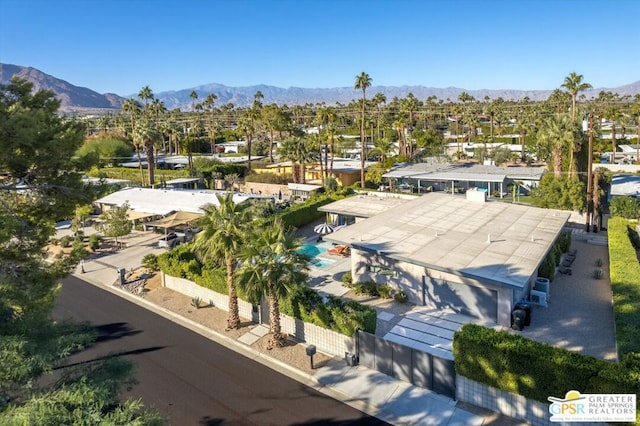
(335, 314)
(625, 285)
(561, 245)
(537, 370)
(180, 262)
(300, 214)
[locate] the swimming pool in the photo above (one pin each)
(314, 250)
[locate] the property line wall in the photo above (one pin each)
(327, 341)
(191, 289)
(516, 406)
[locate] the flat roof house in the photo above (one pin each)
(465, 254)
(449, 177)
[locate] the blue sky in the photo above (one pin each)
(121, 45)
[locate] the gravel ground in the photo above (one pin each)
(292, 353)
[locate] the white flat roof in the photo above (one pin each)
(165, 201)
(451, 234)
(463, 171)
(362, 205)
(625, 185)
(303, 187)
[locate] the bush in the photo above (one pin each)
(536, 370)
(598, 274)
(94, 241)
(400, 297)
(300, 214)
(180, 262)
(65, 241)
(564, 241)
(347, 278)
(625, 285)
(385, 291)
(367, 287)
(626, 207)
(307, 305)
(150, 261)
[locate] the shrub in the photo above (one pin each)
(94, 241)
(400, 297)
(343, 317)
(65, 241)
(347, 278)
(597, 274)
(385, 291)
(367, 287)
(195, 302)
(150, 261)
(625, 285)
(214, 279)
(564, 241)
(536, 370)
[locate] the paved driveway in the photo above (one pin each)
(580, 312)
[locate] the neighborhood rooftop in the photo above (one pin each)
(466, 171)
(163, 202)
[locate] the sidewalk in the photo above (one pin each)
(394, 401)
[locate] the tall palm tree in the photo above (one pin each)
(133, 108)
(222, 237)
(363, 81)
(193, 95)
(146, 135)
(145, 95)
(271, 266)
(573, 83)
(560, 132)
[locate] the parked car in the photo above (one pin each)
(171, 240)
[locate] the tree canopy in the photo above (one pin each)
(41, 183)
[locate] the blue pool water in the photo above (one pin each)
(315, 249)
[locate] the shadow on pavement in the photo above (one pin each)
(113, 331)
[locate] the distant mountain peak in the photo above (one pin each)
(71, 97)
(81, 98)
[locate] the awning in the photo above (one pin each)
(134, 215)
(175, 219)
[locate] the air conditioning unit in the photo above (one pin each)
(538, 297)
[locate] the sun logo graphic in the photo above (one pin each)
(572, 404)
(577, 407)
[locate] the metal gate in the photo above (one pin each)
(402, 362)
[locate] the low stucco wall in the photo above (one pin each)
(325, 340)
(191, 289)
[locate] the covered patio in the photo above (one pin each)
(175, 220)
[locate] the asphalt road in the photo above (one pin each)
(190, 379)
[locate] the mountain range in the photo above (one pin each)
(84, 100)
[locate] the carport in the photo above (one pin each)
(174, 220)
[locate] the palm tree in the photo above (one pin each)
(222, 237)
(145, 94)
(271, 266)
(560, 132)
(362, 82)
(133, 108)
(146, 135)
(382, 148)
(573, 83)
(193, 95)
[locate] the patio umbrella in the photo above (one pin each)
(323, 229)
